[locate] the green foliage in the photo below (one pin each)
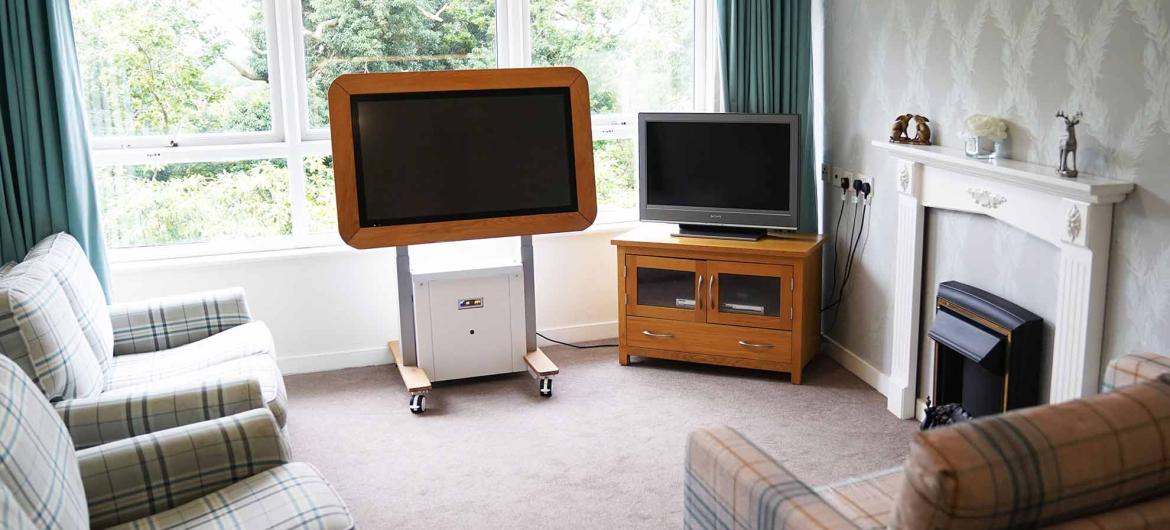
(222, 201)
(145, 65)
(613, 166)
(320, 197)
(343, 36)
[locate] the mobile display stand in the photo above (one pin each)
(418, 383)
(553, 103)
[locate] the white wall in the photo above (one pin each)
(337, 307)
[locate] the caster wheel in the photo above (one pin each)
(418, 404)
(546, 387)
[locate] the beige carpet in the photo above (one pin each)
(606, 451)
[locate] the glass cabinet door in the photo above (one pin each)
(664, 288)
(750, 294)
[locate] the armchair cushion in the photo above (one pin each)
(290, 496)
(1040, 466)
(732, 484)
(1134, 368)
(41, 333)
(70, 266)
(1141, 516)
(136, 477)
(39, 478)
(140, 377)
(238, 342)
(867, 500)
(117, 415)
(163, 323)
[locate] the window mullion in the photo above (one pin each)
(287, 17)
(513, 38)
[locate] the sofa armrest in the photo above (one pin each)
(730, 483)
(115, 415)
(162, 323)
(1134, 368)
(136, 477)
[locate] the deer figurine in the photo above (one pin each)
(1068, 145)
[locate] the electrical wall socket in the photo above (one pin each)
(838, 174)
(868, 180)
(827, 173)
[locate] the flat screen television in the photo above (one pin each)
(720, 174)
(444, 156)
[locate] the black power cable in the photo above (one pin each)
(836, 244)
(834, 296)
(854, 248)
(578, 346)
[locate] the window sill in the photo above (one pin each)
(213, 254)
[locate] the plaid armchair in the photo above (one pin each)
(233, 472)
(118, 371)
(1098, 462)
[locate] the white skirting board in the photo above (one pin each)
(858, 366)
(325, 362)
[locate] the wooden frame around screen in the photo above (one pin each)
(345, 175)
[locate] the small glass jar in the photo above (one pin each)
(984, 147)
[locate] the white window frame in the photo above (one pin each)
(293, 139)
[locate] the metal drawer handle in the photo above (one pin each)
(710, 286)
(747, 344)
(699, 294)
(649, 333)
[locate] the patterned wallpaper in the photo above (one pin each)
(1021, 60)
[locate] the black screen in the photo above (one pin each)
(719, 165)
(443, 156)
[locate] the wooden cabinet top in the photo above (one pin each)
(659, 237)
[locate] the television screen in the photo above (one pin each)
(723, 174)
(745, 166)
(469, 154)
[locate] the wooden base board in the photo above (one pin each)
(415, 378)
(540, 364)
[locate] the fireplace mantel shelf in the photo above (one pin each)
(1075, 215)
(1087, 188)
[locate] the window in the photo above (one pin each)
(209, 119)
(173, 68)
(637, 55)
(395, 36)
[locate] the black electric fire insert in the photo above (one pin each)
(987, 352)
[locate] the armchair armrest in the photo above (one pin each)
(730, 483)
(1134, 368)
(115, 415)
(136, 477)
(162, 323)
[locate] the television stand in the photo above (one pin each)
(749, 304)
(737, 233)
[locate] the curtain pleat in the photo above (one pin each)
(46, 176)
(766, 47)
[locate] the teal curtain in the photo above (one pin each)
(46, 177)
(766, 47)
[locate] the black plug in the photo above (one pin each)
(844, 187)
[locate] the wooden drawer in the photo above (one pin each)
(712, 339)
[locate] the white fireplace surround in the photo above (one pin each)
(1076, 215)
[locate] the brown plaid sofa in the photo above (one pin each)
(1101, 462)
(116, 371)
(229, 473)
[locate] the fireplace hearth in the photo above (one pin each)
(988, 351)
